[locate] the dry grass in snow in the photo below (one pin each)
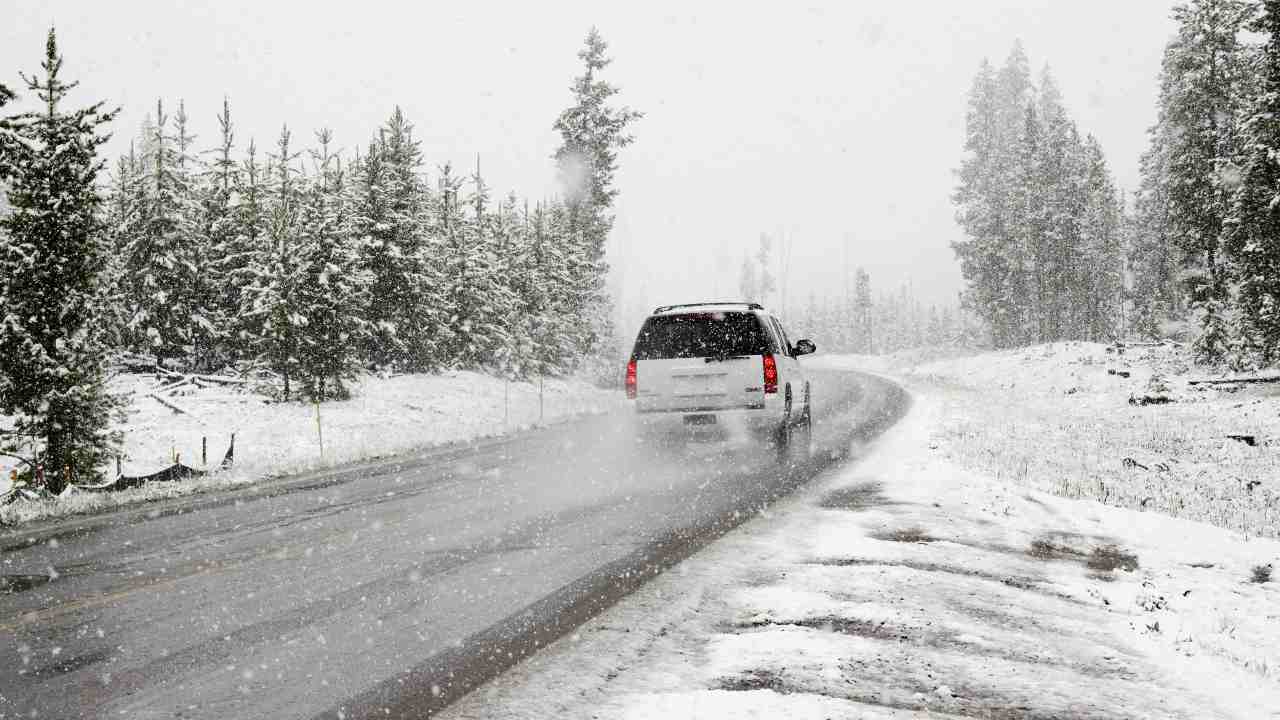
(1059, 418)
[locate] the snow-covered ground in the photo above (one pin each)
(385, 416)
(1060, 418)
(917, 583)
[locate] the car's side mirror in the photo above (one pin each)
(804, 347)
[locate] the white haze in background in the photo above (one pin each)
(834, 127)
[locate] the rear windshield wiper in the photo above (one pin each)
(722, 358)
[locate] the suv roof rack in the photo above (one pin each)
(749, 305)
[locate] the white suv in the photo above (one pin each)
(721, 364)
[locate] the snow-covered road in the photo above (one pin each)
(394, 586)
(901, 586)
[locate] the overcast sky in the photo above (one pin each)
(836, 125)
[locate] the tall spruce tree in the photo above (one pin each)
(980, 200)
(223, 260)
(1256, 241)
(1153, 258)
(1100, 275)
(1205, 68)
(272, 296)
(391, 219)
(331, 287)
(194, 271)
(160, 265)
(592, 131)
(249, 244)
(52, 258)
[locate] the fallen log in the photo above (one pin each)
(221, 379)
(170, 404)
(235, 398)
(173, 385)
(1235, 381)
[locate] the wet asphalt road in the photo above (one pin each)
(386, 589)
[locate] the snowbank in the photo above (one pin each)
(385, 416)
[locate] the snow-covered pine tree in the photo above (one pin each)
(1059, 260)
(331, 287)
(1153, 258)
(993, 172)
(272, 297)
(159, 269)
(249, 244)
(592, 131)
(569, 330)
(486, 313)
(223, 259)
(459, 297)
(1023, 302)
(205, 324)
(119, 216)
(1100, 275)
(390, 217)
(1256, 241)
(1205, 66)
(979, 199)
(52, 258)
(509, 245)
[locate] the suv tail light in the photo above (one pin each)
(770, 374)
(631, 380)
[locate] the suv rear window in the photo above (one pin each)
(694, 335)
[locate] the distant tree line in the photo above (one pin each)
(1042, 253)
(864, 322)
(308, 263)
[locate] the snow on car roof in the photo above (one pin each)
(725, 306)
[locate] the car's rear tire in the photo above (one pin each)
(782, 433)
(793, 438)
(801, 445)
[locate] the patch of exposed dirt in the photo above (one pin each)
(1042, 549)
(757, 680)
(861, 496)
(1111, 557)
(944, 639)
(962, 702)
(1019, 582)
(906, 535)
(1098, 553)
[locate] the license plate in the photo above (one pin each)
(699, 419)
(699, 386)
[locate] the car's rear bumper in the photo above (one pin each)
(706, 419)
